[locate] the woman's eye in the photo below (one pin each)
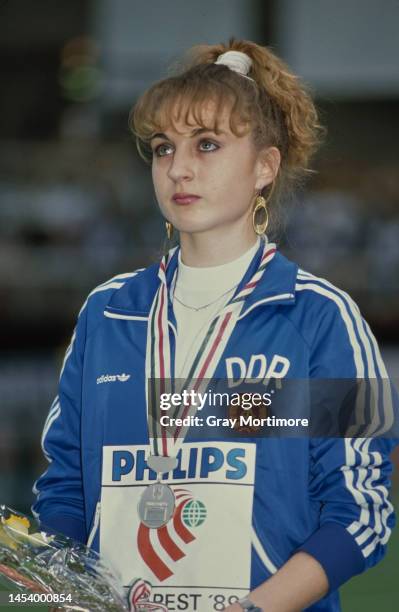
(204, 145)
(160, 150)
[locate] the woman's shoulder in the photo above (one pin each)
(100, 296)
(321, 292)
(335, 329)
(313, 292)
(315, 296)
(113, 284)
(321, 307)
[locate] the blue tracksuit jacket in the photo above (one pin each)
(326, 496)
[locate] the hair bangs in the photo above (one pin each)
(197, 103)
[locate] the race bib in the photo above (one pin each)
(200, 560)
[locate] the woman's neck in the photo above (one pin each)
(205, 250)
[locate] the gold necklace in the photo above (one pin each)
(205, 305)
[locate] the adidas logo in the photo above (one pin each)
(112, 378)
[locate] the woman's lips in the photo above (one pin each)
(183, 199)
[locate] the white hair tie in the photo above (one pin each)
(237, 61)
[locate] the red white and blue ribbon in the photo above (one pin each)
(166, 441)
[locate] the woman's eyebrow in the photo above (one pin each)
(193, 133)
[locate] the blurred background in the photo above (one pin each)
(76, 201)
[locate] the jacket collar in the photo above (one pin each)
(277, 285)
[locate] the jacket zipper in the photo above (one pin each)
(95, 524)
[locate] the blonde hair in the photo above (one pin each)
(275, 106)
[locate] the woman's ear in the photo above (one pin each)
(267, 167)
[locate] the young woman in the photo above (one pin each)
(272, 523)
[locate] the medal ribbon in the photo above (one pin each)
(166, 441)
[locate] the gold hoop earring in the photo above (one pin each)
(169, 230)
(260, 208)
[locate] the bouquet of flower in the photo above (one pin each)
(60, 571)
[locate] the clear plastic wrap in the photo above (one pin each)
(37, 562)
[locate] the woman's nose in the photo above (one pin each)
(181, 167)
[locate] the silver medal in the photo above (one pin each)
(157, 505)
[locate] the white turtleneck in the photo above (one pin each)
(197, 287)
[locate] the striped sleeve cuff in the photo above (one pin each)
(336, 551)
